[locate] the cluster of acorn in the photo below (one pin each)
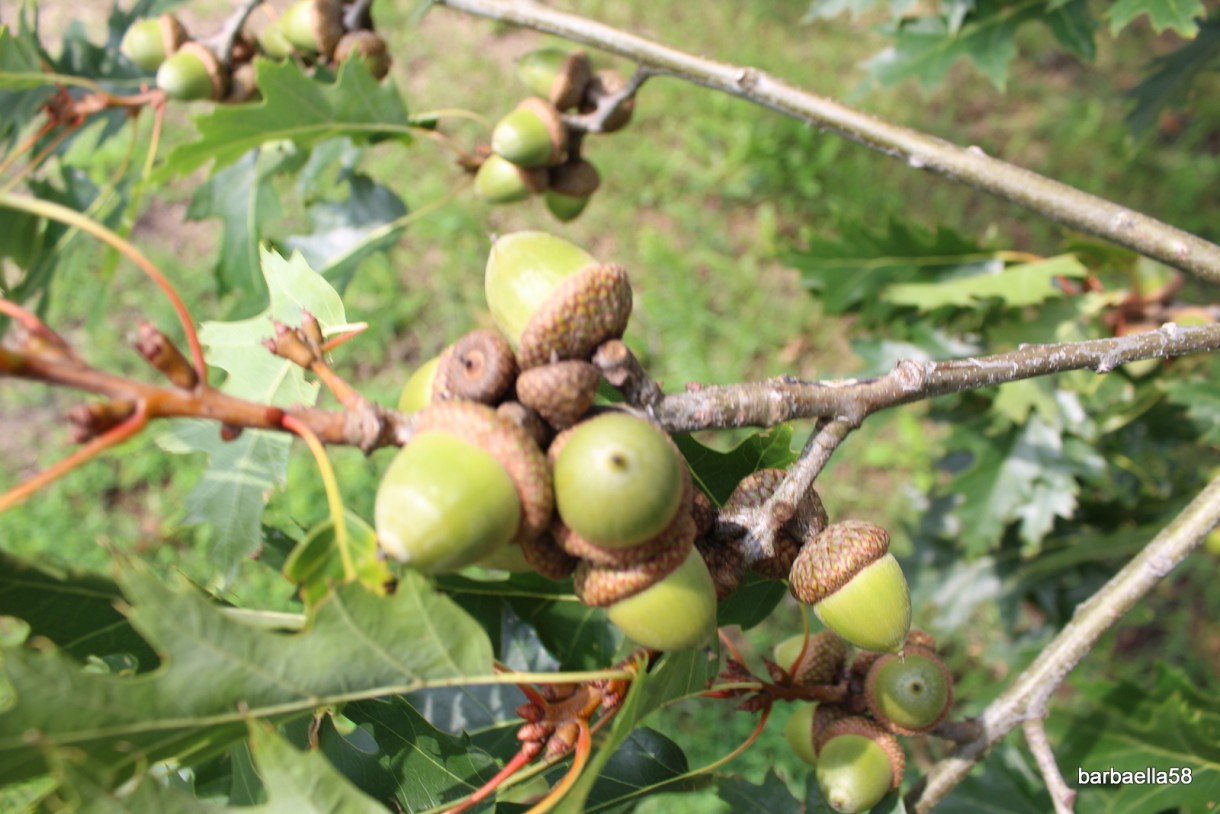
(313, 31)
(852, 741)
(535, 150)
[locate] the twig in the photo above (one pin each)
(968, 165)
(222, 43)
(595, 120)
(1092, 619)
(1062, 796)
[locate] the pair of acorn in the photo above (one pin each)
(533, 150)
(610, 501)
(189, 70)
(852, 743)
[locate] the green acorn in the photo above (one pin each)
(365, 45)
(273, 43)
(533, 135)
(858, 764)
(313, 26)
(500, 181)
(556, 75)
(192, 73)
(150, 41)
(910, 693)
(855, 585)
(417, 392)
(799, 731)
(571, 186)
(677, 612)
(618, 480)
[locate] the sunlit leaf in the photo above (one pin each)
(1014, 286)
(1178, 15)
(317, 562)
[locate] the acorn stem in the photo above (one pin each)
(221, 44)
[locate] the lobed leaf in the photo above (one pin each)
(1178, 15)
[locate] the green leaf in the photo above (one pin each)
(647, 763)
(1007, 782)
(218, 672)
(1014, 287)
(1201, 399)
(1171, 77)
(1074, 26)
(1179, 15)
(718, 473)
(768, 797)
(233, 491)
(24, 87)
(1132, 727)
(751, 603)
(299, 108)
(317, 563)
(75, 610)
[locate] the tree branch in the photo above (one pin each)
(968, 165)
(1029, 693)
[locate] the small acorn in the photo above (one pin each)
(855, 585)
(819, 662)
(556, 75)
(676, 613)
(368, 46)
(313, 26)
(500, 181)
(192, 73)
(618, 480)
(273, 43)
(148, 42)
(561, 392)
(533, 135)
(799, 731)
(417, 392)
(858, 764)
(910, 693)
(480, 367)
(604, 84)
(571, 186)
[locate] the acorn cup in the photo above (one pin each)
(366, 45)
(480, 367)
(193, 73)
(821, 661)
(855, 585)
(500, 181)
(561, 392)
(753, 491)
(556, 75)
(314, 27)
(551, 298)
(910, 693)
(150, 41)
(533, 135)
(571, 186)
(858, 763)
(604, 84)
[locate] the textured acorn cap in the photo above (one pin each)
(480, 367)
(724, 562)
(680, 532)
(561, 392)
(921, 638)
(703, 511)
(820, 662)
(599, 586)
(584, 311)
(835, 556)
(603, 84)
(858, 764)
(910, 693)
(547, 558)
(243, 84)
(523, 270)
(557, 75)
(510, 445)
(676, 612)
(532, 135)
(753, 491)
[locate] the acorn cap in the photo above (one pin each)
(523, 270)
(676, 612)
(753, 491)
(547, 558)
(501, 181)
(480, 367)
(910, 693)
(835, 556)
(527, 419)
(532, 135)
(703, 511)
(367, 45)
(680, 533)
(599, 586)
(582, 312)
(243, 85)
(725, 563)
(921, 638)
(561, 392)
(510, 445)
(577, 178)
(191, 73)
(818, 662)
(556, 75)
(603, 84)
(858, 764)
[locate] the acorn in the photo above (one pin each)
(571, 186)
(273, 43)
(677, 612)
(909, 693)
(858, 764)
(561, 392)
(533, 135)
(556, 75)
(604, 84)
(509, 558)
(192, 73)
(551, 298)
(467, 483)
(478, 367)
(618, 480)
(819, 662)
(417, 392)
(855, 585)
(366, 45)
(501, 181)
(150, 41)
(313, 26)
(243, 84)
(799, 731)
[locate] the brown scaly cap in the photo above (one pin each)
(173, 34)
(528, 420)
(478, 367)
(606, 83)
(824, 716)
(327, 25)
(509, 444)
(834, 557)
(822, 661)
(561, 392)
(753, 491)
(724, 562)
(585, 310)
(570, 82)
(578, 179)
(922, 639)
(857, 725)
(680, 532)
(547, 558)
(704, 513)
(600, 586)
